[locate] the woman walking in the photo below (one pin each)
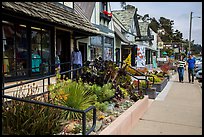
(180, 67)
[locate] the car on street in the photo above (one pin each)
(199, 75)
(198, 67)
(198, 64)
(198, 61)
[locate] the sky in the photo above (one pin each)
(179, 12)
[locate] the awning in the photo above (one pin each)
(120, 35)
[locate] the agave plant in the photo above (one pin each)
(74, 95)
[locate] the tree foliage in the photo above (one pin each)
(123, 5)
(154, 25)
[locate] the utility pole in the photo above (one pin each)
(189, 42)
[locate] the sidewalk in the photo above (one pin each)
(177, 110)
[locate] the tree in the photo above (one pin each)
(196, 49)
(154, 25)
(123, 5)
(167, 34)
(167, 25)
(177, 36)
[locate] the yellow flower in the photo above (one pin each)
(65, 97)
(101, 117)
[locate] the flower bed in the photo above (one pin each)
(127, 120)
(106, 87)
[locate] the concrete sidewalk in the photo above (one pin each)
(177, 110)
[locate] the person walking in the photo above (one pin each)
(191, 66)
(180, 67)
(76, 61)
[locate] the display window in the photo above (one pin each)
(15, 49)
(108, 48)
(108, 54)
(96, 52)
(23, 55)
(40, 46)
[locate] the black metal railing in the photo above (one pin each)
(83, 112)
(139, 79)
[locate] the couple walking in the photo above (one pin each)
(182, 64)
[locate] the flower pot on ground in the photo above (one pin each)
(151, 92)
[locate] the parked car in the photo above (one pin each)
(198, 61)
(198, 67)
(199, 75)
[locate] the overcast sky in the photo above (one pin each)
(177, 11)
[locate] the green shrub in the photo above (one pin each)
(103, 93)
(143, 84)
(156, 79)
(101, 106)
(21, 118)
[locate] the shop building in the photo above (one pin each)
(34, 33)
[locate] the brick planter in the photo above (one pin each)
(160, 86)
(128, 119)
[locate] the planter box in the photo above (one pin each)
(128, 119)
(152, 93)
(160, 86)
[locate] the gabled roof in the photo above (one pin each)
(115, 20)
(143, 28)
(125, 17)
(120, 35)
(84, 9)
(51, 12)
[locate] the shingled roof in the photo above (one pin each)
(125, 16)
(143, 28)
(52, 13)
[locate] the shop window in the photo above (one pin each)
(69, 6)
(40, 46)
(96, 47)
(108, 48)
(96, 52)
(108, 54)
(96, 41)
(15, 49)
(108, 41)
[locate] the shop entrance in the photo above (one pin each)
(63, 50)
(83, 49)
